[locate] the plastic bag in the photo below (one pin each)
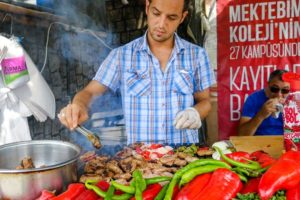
(14, 126)
(13, 117)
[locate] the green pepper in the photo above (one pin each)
(124, 196)
(140, 184)
(240, 170)
(192, 173)
(138, 190)
(140, 181)
(125, 188)
(242, 177)
(157, 179)
(162, 193)
(138, 193)
(89, 184)
(110, 192)
(263, 170)
(250, 165)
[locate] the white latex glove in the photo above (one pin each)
(188, 119)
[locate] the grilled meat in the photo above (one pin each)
(179, 162)
(126, 176)
(86, 177)
(26, 163)
(205, 152)
(94, 139)
(114, 167)
(88, 156)
(121, 166)
(168, 160)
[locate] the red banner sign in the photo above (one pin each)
(254, 39)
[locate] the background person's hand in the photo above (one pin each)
(188, 119)
(269, 107)
(72, 115)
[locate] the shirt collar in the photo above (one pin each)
(179, 46)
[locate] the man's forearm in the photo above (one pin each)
(83, 99)
(85, 96)
(249, 128)
(202, 103)
(203, 107)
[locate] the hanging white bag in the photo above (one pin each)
(23, 98)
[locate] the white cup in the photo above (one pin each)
(279, 108)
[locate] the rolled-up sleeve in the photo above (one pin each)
(204, 76)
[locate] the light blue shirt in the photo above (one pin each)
(151, 98)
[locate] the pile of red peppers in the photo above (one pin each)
(238, 173)
(276, 175)
(284, 174)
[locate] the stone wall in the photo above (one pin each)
(126, 22)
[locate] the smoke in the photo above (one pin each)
(83, 42)
(68, 53)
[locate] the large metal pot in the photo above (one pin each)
(55, 162)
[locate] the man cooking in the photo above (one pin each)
(260, 115)
(163, 80)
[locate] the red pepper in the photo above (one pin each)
(284, 174)
(203, 148)
(103, 185)
(138, 150)
(159, 155)
(191, 190)
(119, 192)
(46, 195)
(87, 195)
(289, 144)
(293, 194)
(263, 158)
(175, 191)
(72, 192)
(155, 146)
(239, 156)
(146, 155)
(251, 186)
(150, 192)
(223, 185)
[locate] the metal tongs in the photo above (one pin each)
(92, 137)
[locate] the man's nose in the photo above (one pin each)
(162, 21)
(279, 94)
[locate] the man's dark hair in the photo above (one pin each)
(186, 5)
(277, 73)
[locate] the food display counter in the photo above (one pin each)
(168, 173)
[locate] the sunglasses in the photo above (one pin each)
(275, 89)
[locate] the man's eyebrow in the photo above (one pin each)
(173, 15)
(154, 8)
(169, 15)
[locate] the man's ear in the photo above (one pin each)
(147, 6)
(184, 14)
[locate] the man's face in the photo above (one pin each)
(163, 17)
(277, 88)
